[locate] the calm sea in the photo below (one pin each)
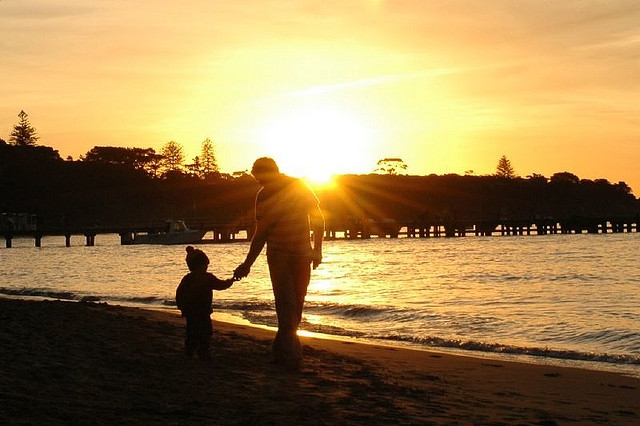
(568, 299)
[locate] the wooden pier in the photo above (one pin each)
(234, 230)
(504, 227)
(222, 231)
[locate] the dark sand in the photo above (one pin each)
(81, 363)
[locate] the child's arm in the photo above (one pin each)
(181, 295)
(218, 284)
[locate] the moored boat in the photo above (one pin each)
(176, 233)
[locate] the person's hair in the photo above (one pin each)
(265, 165)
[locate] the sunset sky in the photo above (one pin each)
(334, 86)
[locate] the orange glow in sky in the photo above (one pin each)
(332, 87)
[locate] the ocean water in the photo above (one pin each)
(567, 299)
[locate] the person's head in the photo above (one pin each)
(265, 169)
(196, 259)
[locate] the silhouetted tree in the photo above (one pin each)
(23, 133)
(390, 166)
(564, 177)
(537, 177)
(195, 169)
(504, 168)
(208, 162)
(172, 159)
(623, 187)
(135, 158)
(241, 174)
(205, 165)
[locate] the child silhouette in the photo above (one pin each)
(194, 296)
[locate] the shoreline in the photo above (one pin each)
(630, 370)
(627, 369)
(74, 362)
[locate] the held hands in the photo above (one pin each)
(229, 282)
(241, 271)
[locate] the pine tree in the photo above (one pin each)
(23, 134)
(208, 162)
(172, 157)
(504, 168)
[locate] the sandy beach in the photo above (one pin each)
(85, 363)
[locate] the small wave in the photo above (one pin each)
(246, 305)
(67, 295)
(330, 330)
(513, 350)
(357, 312)
(352, 311)
(268, 319)
(31, 292)
(610, 336)
(149, 300)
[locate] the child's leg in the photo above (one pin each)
(205, 330)
(191, 339)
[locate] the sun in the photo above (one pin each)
(317, 143)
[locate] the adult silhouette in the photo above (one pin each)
(286, 212)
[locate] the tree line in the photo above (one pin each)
(169, 163)
(115, 185)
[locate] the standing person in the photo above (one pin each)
(286, 211)
(194, 296)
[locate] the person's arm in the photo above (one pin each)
(257, 244)
(181, 296)
(218, 284)
(317, 225)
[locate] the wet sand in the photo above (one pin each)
(85, 363)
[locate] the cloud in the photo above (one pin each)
(383, 80)
(21, 11)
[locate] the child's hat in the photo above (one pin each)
(196, 258)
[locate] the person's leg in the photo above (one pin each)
(289, 280)
(301, 278)
(205, 330)
(190, 338)
(285, 301)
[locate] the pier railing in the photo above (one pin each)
(233, 229)
(450, 228)
(222, 230)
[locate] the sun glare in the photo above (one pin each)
(318, 143)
